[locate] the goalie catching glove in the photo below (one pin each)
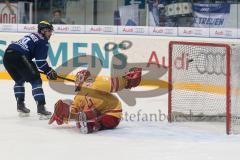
(133, 77)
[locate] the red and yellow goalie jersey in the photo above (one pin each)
(98, 94)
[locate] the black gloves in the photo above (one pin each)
(52, 75)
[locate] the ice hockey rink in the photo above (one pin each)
(27, 138)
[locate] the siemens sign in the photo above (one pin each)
(61, 54)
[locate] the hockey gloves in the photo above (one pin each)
(61, 112)
(52, 75)
(133, 77)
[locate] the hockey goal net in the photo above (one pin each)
(204, 83)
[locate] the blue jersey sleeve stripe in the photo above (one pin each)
(40, 60)
(43, 65)
(39, 63)
(48, 72)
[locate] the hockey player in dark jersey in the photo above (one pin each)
(19, 63)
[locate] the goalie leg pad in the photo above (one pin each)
(109, 122)
(61, 112)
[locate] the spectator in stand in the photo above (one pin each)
(156, 12)
(162, 16)
(57, 17)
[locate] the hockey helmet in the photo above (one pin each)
(44, 25)
(81, 77)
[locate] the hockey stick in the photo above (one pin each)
(60, 77)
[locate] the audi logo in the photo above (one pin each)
(107, 29)
(76, 28)
(211, 63)
(139, 30)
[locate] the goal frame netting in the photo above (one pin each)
(228, 78)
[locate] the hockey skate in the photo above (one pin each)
(88, 122)
(43, 113)
(83, 122)
(22, 109)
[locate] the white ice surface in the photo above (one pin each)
(32, 139)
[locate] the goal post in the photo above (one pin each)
(204, 83)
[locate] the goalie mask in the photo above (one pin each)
(81, 77)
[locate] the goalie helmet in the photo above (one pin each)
(81, 77)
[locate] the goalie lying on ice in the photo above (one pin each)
(95, 107)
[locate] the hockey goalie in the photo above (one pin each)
(94, 107)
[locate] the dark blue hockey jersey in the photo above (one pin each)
(33, 46)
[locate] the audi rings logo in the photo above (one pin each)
(108, 29)
(139, 30)
(211, 63)
(76, 28)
